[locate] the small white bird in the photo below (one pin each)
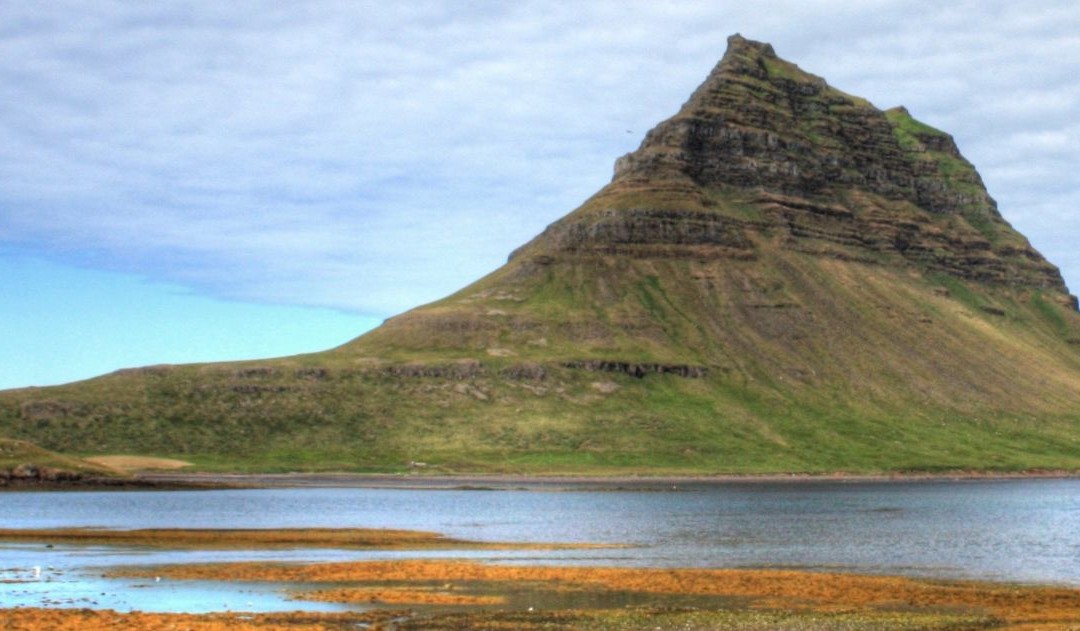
(37, 571)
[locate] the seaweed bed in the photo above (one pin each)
(455, 594)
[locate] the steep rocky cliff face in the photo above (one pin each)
(780, 278)
(763, 150)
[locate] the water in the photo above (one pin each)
(1005, 530)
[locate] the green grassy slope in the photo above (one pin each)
(816, 365)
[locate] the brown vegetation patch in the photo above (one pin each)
(398, 596)
(138, 463)
(269, 538)
(765, 589)
(91, 620)
(644, 619)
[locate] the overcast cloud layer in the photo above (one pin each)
(372, 156)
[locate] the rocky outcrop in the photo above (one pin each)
(652, 232)
(30, 474)
(639, 370)
(43, 410)
(455, 371)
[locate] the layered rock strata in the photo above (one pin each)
(765, 151)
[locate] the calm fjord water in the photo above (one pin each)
(1005, 530)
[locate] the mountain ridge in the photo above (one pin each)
(782, 277)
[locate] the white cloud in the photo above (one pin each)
(371, 156)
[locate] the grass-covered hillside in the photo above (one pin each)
(813, 365)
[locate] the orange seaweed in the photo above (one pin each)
(767, 589)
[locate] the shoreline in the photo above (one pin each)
(173, 480)
(133, 483)
(555, 482)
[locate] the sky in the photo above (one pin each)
(203, 180)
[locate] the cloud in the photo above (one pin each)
(373, 156)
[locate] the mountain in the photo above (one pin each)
(782, 277)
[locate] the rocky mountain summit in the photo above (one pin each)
(782, 277)
(827, 172)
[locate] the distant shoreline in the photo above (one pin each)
(186, 481)
(502, 482)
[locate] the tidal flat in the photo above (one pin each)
(466, 594)
(822, 555)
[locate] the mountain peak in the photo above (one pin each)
(740, 46)
(760, 120)
(751, 60)
(835, 173)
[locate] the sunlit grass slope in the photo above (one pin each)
(806, 364)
